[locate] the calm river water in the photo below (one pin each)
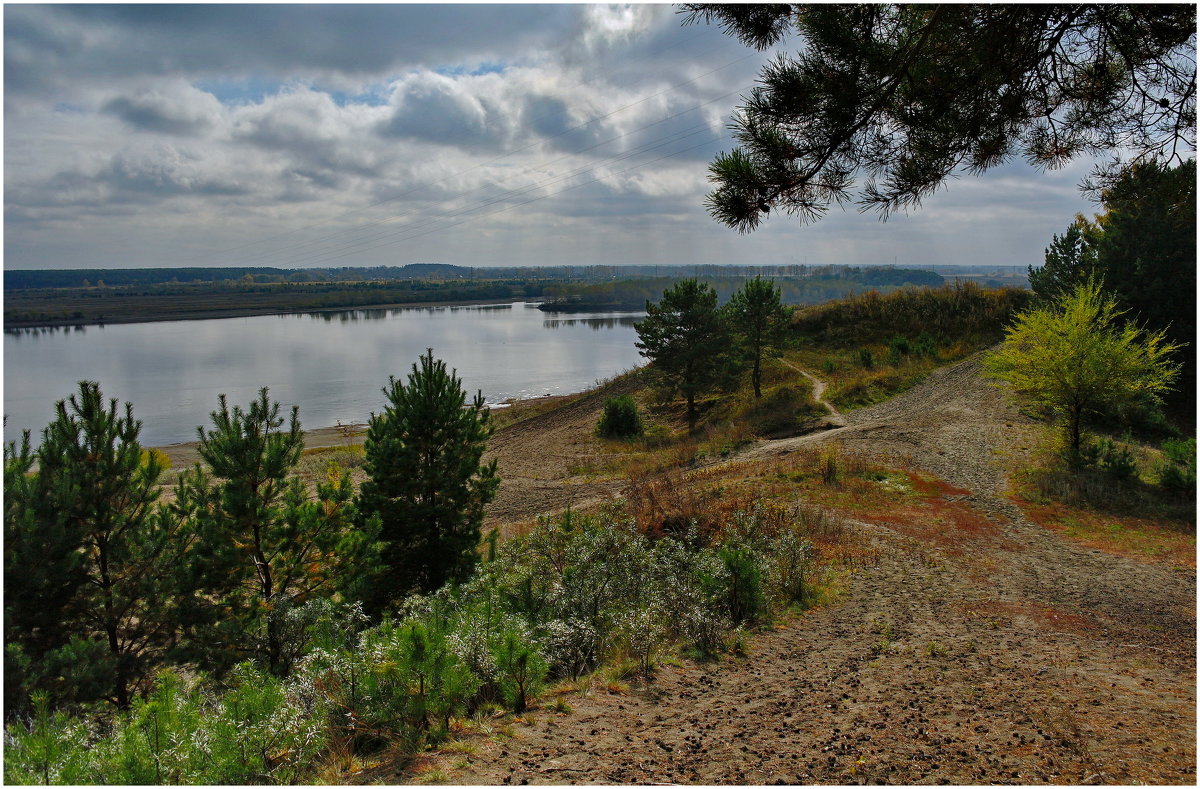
(333, 365)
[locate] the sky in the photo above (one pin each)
(300, 136)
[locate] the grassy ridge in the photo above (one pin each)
(873, 346)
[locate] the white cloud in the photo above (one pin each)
(347, 135)
(174, 108)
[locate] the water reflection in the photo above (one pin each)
(332, 364)
(37, 331)
(595, 324)
(376, 313)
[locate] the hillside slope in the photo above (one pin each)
(987, 649)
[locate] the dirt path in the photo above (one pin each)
(1012, 657)
(818, 393)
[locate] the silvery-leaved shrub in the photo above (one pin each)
(261, 735)
(316, 623)
(572, 646)
(642, 631)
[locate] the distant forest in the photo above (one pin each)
(814, 285)
(96, 296)
(27, 279)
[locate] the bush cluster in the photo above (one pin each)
(574, 594)
(958, 310)
(1178, 473)
(620, 418)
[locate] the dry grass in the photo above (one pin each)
(520, 410)
(1133, 518)
(1170, 541)
(785, 491)
(852, 386)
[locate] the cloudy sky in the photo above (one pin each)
(350, 135)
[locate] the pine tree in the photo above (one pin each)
(1146, 251)
(903, 96)
(685, 338)
(267, 545)
(1070, 262)
(426, 481)
(90, 563)
(758, 319)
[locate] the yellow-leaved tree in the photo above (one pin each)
(1076, 356)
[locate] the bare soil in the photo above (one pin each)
(1007, 654)
(543, 460)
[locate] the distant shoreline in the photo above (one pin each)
(252, 312)
(183, 454)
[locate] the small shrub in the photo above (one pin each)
(1117, 461)
(780, 413)
(521, 670)
(620, 418)
(1182, 453)
(829, 366)
(1113, 459)
(1178, 473)
(925, 346)
(164, 462)
(744, 588)
(1176, 478)
(898, 348)
(865, 359)
(828, 465)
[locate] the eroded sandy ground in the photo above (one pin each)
(1004, 655)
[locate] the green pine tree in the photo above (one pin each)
(1070, 262)
(685, 338)
(426, 481)
(267, 545)
(758, 319)
(901, 97)
(90, 563)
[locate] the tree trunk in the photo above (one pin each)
(1075, 429)
(120, 684)
(266, 587)
(757, 375)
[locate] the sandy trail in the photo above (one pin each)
(818, 393)
(1013, 656)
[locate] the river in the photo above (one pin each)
(333, 365)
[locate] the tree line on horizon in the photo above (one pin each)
(29, 279)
